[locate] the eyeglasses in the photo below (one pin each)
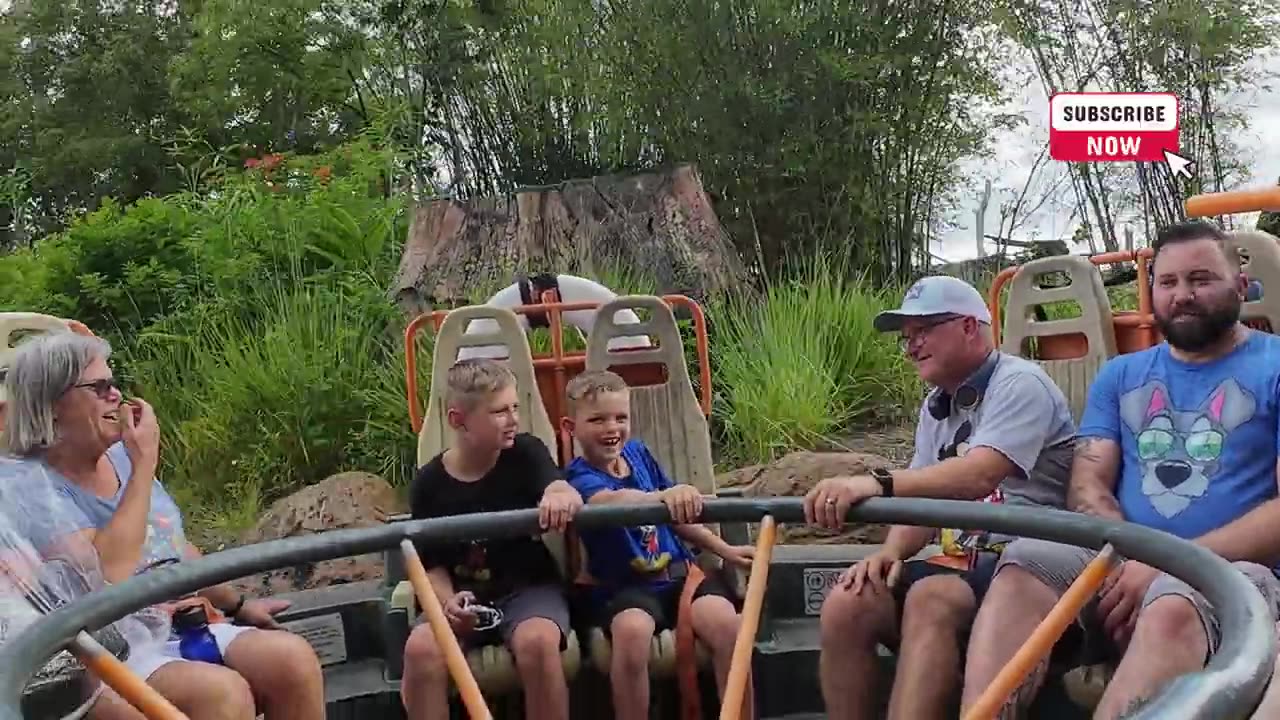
(904, 341)
(101, 387)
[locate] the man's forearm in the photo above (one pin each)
(972, 477)
(1094, 469)
(1093, 498)
(904, 541)
(1251, 538)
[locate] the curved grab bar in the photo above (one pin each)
(1230, 686)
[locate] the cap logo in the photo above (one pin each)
(915, 290)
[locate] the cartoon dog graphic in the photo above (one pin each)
(1180, 449)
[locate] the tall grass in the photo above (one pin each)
(804, 363)
(254, 410)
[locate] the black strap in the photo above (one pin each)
(531, 289)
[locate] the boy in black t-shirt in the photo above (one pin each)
(491, 467)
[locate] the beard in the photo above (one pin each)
(1198, 327)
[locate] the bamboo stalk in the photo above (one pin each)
(117, 676)
(1042, 640)
(472, 699)
(735, 687)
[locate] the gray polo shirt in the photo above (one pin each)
(1025, 417)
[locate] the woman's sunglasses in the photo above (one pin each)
(102, 387)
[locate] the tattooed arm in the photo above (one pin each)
(1094, 469)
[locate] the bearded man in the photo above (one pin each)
(1182, 437)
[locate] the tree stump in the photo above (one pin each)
(658, 224)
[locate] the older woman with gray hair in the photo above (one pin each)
(65, 413)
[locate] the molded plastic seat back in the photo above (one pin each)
(12, 323)
(667, 417)
(436, 434)
(1094, 324)
(1263, 250)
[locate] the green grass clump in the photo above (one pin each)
(255, 410)
(804, 362)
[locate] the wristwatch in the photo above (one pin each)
(885, 478)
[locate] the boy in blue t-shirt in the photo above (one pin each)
(641, 571)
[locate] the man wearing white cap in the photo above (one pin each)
(994, 427)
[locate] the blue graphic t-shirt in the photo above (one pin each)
(1199, 441)
(620, 556)
(165, 539)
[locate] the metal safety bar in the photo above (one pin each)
(1230, 686)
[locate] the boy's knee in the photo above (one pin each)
(422, 654)
(716, 621)
(631, 634)
(536, 642)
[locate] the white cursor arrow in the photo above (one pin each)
(1178, 165)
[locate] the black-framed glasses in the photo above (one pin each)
(923, 331)
(101, 387)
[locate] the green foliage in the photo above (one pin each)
(806, 362)
(253, 317)
(256, 409)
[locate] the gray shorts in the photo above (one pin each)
(535, 601)
(1058, 565)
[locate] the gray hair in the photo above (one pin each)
(40, 371)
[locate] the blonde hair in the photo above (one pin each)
(470, 381)
(590, 384)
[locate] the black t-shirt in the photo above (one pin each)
(496, 567)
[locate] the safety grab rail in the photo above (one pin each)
(1230, 686)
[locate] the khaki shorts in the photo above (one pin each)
(1058, 565)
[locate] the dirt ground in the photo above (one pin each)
(855, 452)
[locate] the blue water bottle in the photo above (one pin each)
(195, 641)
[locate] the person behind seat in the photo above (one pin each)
(490, 467)
(642, 571)
(995, 428)
(66, 416)
(1181, 437)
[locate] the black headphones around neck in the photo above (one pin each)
(967, 396)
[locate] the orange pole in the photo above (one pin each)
(117, 676)
(472, 699)
(1042, 640)
(735, 687)
(1235, 201)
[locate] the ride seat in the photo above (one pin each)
(1074, 369)
(1263, 267)
(12, 323)
(493, 667)
(669, 420)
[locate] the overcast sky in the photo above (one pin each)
(1016, 151)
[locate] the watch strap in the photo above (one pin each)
(885, 478)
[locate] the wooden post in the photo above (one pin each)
(1042, 639)
(980, 220)
(735, 686)
(468, 689)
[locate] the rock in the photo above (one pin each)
(794, 475)
(345, 500)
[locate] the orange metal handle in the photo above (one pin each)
(472, 699)
(1235, 201)
(1042, 640)
(117, 676)
(735, 687)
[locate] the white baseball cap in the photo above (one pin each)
(936, 295)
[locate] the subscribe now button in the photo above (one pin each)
(1100, 127)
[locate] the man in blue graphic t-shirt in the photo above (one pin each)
(1182, 437)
